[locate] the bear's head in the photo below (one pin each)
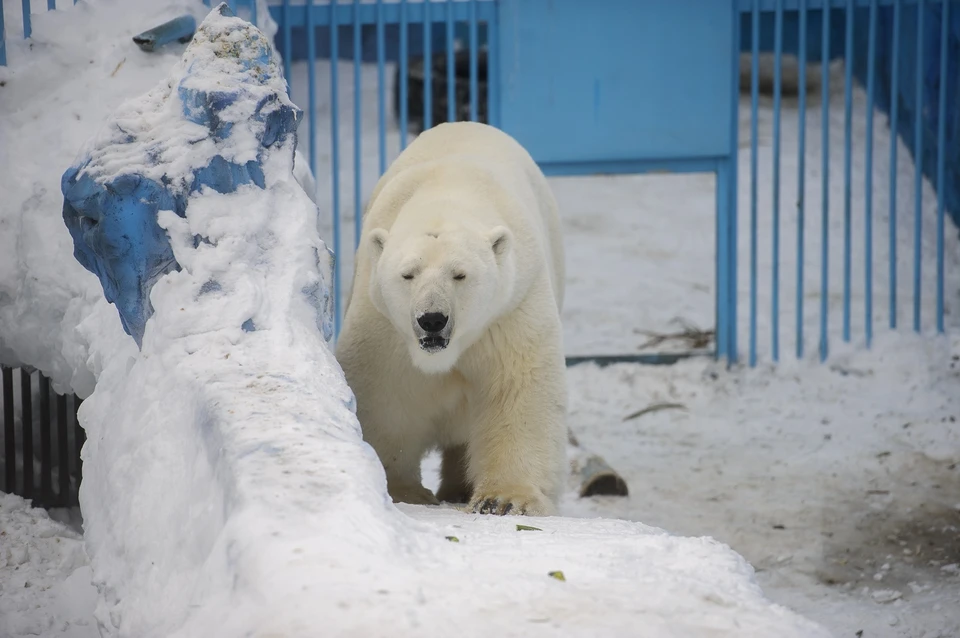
(441, 287)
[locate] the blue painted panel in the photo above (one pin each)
(590, 84)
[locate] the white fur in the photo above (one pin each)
(463, 199)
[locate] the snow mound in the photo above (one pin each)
(44, 581)
(78, 66)
(215, 122)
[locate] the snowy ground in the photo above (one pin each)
(839, 483)
(44, 579)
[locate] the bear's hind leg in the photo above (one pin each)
(454, 485)
(400, 450)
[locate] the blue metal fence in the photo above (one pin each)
(621, 87)
(882, 42)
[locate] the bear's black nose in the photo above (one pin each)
(432, 321)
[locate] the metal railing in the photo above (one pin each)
(41, 440)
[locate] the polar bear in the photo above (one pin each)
(451, 336)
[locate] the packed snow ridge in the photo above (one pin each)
(227, 489)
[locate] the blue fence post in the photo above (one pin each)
(427, 66)
(723, 258)
(3, 38)
(335, 155)
(733, 176)
(801, 171)
(381, 89)
(27, 28)
(824, 182)
(404, 69)
(918, 171)
(311, 86)
(754, 121)
(357, 110)
(941, 152)
(288, 51)
(868, 195)
(847, 168)
(778, 58)
(493, 67)
(894, 119)
(474, 46)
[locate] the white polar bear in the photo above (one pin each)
(452, 336)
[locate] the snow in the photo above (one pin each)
(837, 482)
(44, 580)
(855, 460)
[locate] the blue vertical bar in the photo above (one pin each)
(801, 172)
(403, 75)
(51, 5)
(894, 108)
(253, 12)
(732, 200)
(3, 38)
(824, 182)
(427, 67)
(312, 84)
(868, 195)
(335, 154)
(847, 167)
(918, 170)
(381, 90)
(723, 259)
(474, 47)
(287, 49)
(777, 88)
(357, 125)
(27, 29)
(941, 149)
(493, 68)
(451, 76)
(754, 105)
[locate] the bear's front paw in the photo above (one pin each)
(519, 501)
(413, 494)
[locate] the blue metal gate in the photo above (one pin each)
(566, 90)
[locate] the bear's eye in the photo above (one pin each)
(460, 277)
(408, 276)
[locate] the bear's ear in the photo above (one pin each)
(500, 240)
(378, 238)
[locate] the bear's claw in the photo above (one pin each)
(513, 501)
(494, 506)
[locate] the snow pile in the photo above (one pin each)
(44, 583)
(78, 65)
(227, 488)
(156, 151)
